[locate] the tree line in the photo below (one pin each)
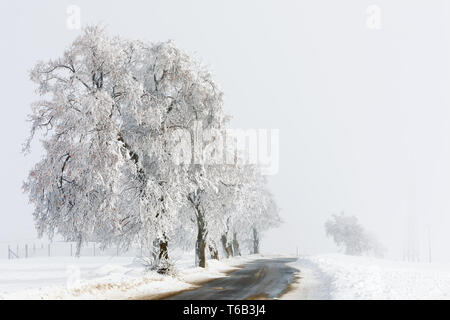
(113, 118)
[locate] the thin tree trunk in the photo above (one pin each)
(255, 241)
(163, 262)
(200, 251)
(236, 250)
(227, 248)
(160, 255)
(200, 244)
(79, 243)
(213, 251)
(163, 250)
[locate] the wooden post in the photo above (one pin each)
(9, 252)
(49, 249)
(17, 252)
(26, 251)
(71, 249)
(94, 249)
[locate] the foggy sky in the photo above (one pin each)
(363, 114)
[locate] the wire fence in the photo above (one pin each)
(34, 249)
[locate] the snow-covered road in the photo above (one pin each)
(258, 279)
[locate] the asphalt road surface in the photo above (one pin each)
(260, 279)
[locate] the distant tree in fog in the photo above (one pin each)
(350, 236)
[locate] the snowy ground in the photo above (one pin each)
(101, 277)
(331, 276)
(345, 277)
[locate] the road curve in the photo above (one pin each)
(259, 279)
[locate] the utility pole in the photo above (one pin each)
(429, 243)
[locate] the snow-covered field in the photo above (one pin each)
(337, 276)
(330, 276)
(101, 277)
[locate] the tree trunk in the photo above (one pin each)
(200, 244)
(78, 251)
(79, 243)
(227, 248)
(213, 251)
(255, 241)
(163, 250)
(200, 255)
(163, 263)
(236, 250)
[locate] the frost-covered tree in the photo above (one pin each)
(265, 215)
(258, 211)
(190, 99)
(349, 235)
(74, 187)
(212, 203)
(231, 211)
(109, 116)
(107, 109)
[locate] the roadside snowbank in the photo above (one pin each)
(102, 277)
(337, 276)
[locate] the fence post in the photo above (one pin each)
(94, 249)
(49, 249)
(12, 254)
(26, 251)
(17, 252)
(71, 249)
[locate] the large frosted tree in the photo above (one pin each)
(106, 111)
(110, 115)
(74, 187)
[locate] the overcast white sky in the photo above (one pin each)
(364, 115)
